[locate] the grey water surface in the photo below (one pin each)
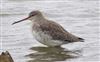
(80, 17)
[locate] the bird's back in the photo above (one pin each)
(56, 31)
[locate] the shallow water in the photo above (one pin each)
(80, 17)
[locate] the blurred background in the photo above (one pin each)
(80, 17)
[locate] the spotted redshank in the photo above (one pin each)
(49, 32)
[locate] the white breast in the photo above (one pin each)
(46, 39)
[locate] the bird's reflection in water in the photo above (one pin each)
(51, 54)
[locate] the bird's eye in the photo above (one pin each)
(32, 14)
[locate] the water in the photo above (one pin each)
(80, 17)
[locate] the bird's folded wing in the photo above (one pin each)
(57, 32)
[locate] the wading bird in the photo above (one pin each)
(49, 32)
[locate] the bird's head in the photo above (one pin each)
(31, 16)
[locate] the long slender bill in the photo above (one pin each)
(20, 20)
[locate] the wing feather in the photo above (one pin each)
(57, 32)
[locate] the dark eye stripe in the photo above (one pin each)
(32, 14)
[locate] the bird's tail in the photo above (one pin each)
(81, 39)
